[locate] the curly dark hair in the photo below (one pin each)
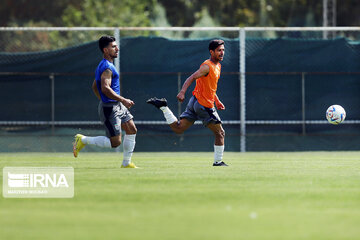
(215, 43)
(104, 42)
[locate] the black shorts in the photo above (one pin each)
(111, 115)
(195, 111)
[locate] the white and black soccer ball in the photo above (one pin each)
(335, 114)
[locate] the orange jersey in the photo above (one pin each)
(206, 86)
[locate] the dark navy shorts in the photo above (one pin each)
(112, 115)
(195, 111)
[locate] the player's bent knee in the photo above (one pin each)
(220, 134)
(179, 131)
(134, 131)
(115, 145)
(176, 128)
(131, 130)
(115, 142)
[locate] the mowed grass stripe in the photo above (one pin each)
(306, 195)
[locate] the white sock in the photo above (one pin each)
(218, 153)
(129, 145)
(169, 116)
(100, 141)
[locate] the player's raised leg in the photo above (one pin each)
(177, 126)
(161, 103)
(219, 145)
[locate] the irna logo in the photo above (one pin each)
(38, 182)
(34, 180)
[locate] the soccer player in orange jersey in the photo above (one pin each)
(201, 104)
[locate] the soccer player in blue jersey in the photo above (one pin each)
(113, 108)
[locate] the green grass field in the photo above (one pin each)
(308, 195)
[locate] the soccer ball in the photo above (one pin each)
(335, 114)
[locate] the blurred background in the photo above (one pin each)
(209, 13)
(290, 75)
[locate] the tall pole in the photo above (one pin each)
(117, 60)
(303, 108)
(329, 16)
(52, 79)
(117, 65)
(242, 53)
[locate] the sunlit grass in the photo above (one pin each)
(311, 195)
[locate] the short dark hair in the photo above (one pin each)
(215, 43)
(104, 42)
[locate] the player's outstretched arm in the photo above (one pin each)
(202, 71)
(218, 103)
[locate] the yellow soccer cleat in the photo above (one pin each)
(131, 165)
(78, 144)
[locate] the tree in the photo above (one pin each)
(20, 12)
(109, 13)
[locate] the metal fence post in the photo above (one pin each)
(52, 83)
(179, 88)
(117, 60)
(117, 66)
(242, 56)
(303, 103)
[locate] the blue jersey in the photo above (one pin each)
(115, 84)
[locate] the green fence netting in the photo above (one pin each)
(276, 72)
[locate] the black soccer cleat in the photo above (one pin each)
(220, 164)
(157, 102)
